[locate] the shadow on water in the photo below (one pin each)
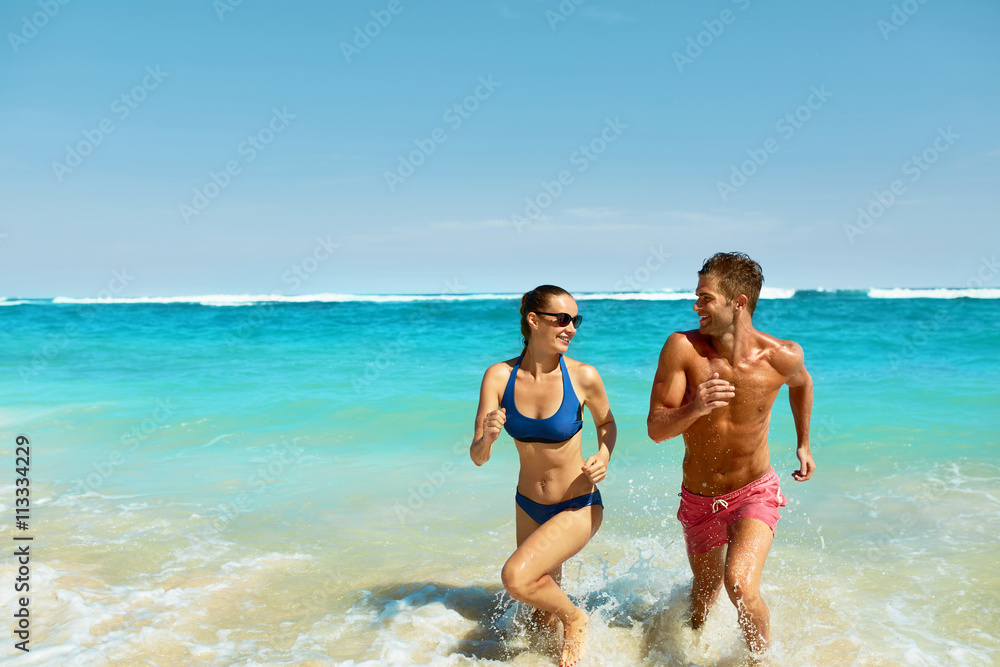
(486, 606)
(502, 629)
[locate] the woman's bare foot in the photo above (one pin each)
(575, 640)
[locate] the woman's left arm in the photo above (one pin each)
(596, 400)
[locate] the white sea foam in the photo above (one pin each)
(776, 293)
(205, 300)
(80, 620)
(636, 296)
(664, 295)
(406, 298)
(934, 293)
(253, 299)
(210, 600)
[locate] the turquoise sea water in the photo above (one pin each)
(242, 481)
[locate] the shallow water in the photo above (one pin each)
(210, 487)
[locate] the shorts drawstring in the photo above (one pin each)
(719, 501)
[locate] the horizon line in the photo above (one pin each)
(767, 293)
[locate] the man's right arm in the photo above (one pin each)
(669, 416)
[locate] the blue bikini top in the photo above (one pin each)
(558, 428)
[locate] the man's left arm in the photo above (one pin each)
(800, 398)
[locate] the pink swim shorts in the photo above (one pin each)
(706, 518)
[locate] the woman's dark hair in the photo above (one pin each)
(535, 300)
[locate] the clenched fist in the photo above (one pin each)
(493, 424)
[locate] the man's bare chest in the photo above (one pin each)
(755, 383)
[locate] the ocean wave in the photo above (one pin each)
(934, 293)
(205, 300)
(636, 296)
(665, 295)
(673, 295)
(252, 299)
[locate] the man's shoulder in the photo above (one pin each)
(691, 340)
(785, 356)
(682, 348)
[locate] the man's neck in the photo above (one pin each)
(737, 343)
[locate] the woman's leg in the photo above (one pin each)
(527, 573)
(526, 526)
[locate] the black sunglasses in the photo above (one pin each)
(563, 319)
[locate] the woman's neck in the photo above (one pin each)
(537, 361)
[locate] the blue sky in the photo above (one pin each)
(428, 157)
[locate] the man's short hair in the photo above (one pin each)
(737, 274)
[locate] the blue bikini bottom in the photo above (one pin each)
(540, 513)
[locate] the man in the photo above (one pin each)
(716, 386)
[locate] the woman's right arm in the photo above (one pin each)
(490, 417)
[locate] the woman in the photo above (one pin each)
(538, 399)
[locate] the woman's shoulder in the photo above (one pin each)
(583, 373)
(500, 370)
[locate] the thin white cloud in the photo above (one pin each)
(466, 226)
(562, 227)
(595, 213)
(692, 217)
(720, 223)
(607, 227)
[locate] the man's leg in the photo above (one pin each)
(749, 542)
(708, 569)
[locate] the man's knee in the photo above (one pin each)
(706, 588)
(741, 588)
